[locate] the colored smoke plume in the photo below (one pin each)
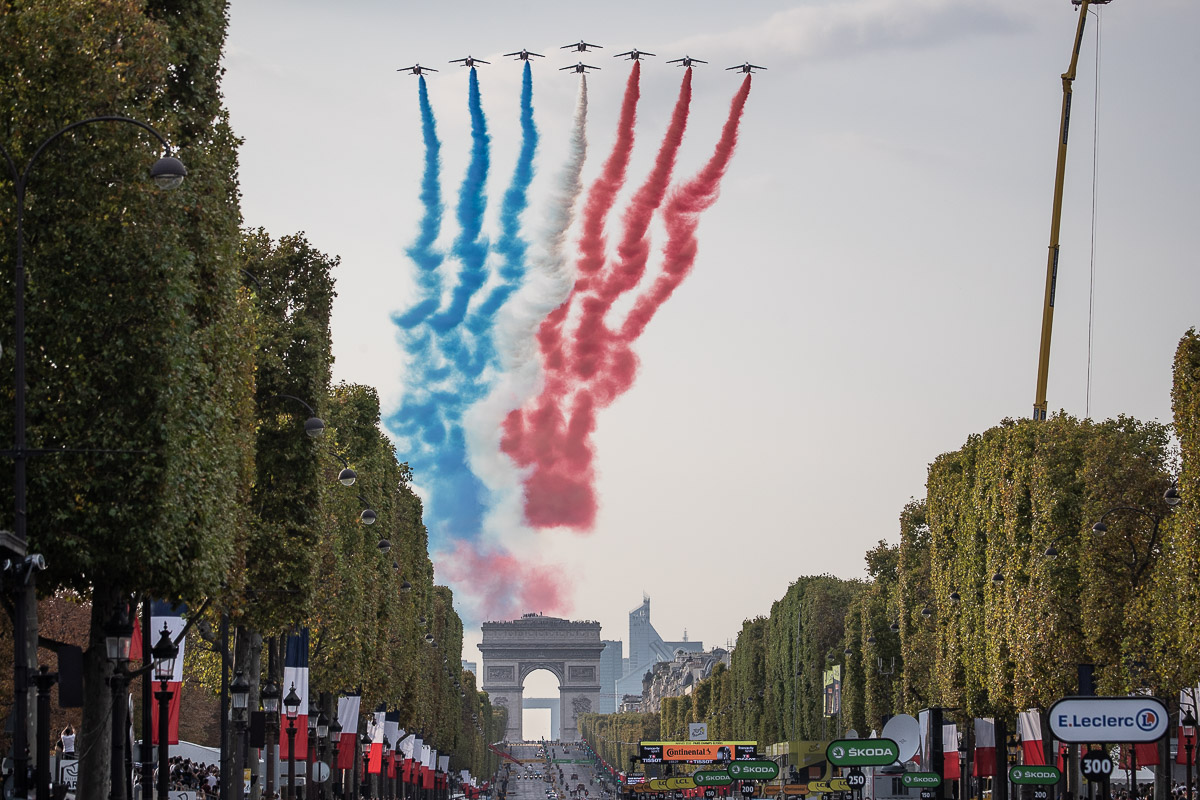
(554, 437)
(493, 584)
(421, 251)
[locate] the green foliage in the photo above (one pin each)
(134, 316)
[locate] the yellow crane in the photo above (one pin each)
(1039, 402)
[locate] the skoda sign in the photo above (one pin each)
(862, 752)
(1108, 719)
(753, 770)
(1038, 776)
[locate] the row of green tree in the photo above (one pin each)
(1001, 585)
(172, 355)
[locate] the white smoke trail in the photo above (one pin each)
(548, 284)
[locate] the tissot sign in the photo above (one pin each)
(1108, 719)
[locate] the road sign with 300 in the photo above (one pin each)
(1096, 765)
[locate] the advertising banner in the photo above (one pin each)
(862, 752)
(1108, 719)
(833, 690)
(697, 752)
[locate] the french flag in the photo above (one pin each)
(951, 769)
(375, 761)
(348, 708)
(163, 613)
(295, 676)
(412, 760)
(1029, 723)
(985, 747)
(393, 732)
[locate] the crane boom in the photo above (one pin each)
(1043, 372)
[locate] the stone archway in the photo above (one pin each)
(569, 650)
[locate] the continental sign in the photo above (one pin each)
(862, 752)
(696, 752)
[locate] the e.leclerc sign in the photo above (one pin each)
(1108, 719)
(862, 752)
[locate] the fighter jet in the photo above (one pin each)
(523, 55)
(634, 54)
(745, 67)
(416, 69)
(686, 61)
(468, 61)
(580, 67)
(580, 47)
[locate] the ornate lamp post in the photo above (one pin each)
(310, 755)
(291, 709)
(365, 743)
(270, 704)
(118, 638)
(322, 738)
(164, 653)
(1189, 740)
(335, 738)
(168, 172)
(385, 781)
(239, 695)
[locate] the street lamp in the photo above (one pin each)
(167, 173)
(1189, 740)
(118, 638)
(310, 755)
(335, 739)
(164, 654)
(385, 778)
(270, 703)
(365, 743)
(314, 426)
(322, 737)
(291, 709)
(239, 695)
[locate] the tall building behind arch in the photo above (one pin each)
(646, 648)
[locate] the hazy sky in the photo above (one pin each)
(868, 288)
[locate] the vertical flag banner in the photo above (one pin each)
(1029, 723)
(347, 715)
(985, 747)
(406, 752)
(951, 768)
(172, 616)
(295, 675)
(376, 732)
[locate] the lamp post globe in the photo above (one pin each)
(291, 709)
(168, 172)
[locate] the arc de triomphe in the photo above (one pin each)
(570, 650)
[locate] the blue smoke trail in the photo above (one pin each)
(511, 246)
(421, 252)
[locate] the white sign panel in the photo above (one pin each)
(698, 732)
(1108, 719)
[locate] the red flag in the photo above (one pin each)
(985, 748)
(1029, 723)
(1145, 752)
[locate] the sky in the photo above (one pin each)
(867, 289)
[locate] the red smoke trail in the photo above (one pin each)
(595, 212)
(634, 248)
(540, 436)
(496, 585)
(560, 490)
(681, 217)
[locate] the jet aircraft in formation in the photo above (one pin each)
(523, 55)
(634, 54)
(745, 67)
(469, 61)
(580, 67)
(580, 47)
